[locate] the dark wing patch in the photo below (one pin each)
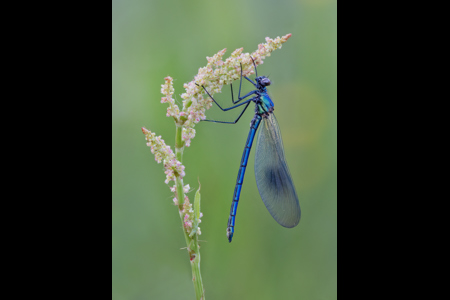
(273, 177)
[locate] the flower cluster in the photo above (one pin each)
(163, 153)
(190, 223)
(167, 89)
(186, 189)
(213, 77)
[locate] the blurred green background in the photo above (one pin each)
(155, 39)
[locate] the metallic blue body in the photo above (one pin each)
(272, 175)
(240, 178)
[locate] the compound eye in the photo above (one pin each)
(265, 81)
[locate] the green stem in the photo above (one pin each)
(191, 242)
(195, 265)
(179, 147)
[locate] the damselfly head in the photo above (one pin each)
(263, 80)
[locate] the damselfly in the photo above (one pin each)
(272, 174)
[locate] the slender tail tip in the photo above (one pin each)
(229, 234)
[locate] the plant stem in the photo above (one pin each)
(191, 242)
(179, 147)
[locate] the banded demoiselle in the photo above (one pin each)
(273, 178)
